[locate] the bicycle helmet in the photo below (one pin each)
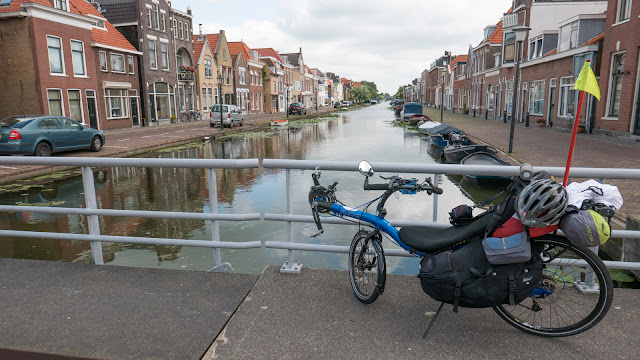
(541, 203)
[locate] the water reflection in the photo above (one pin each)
(357, 135)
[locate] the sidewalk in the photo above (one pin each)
(133, 141)
(549, 147)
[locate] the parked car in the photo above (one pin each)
(297, 108)
(337, 104)
(43, 135)
(231, 115)
(374, 101)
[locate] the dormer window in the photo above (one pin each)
(60, 4)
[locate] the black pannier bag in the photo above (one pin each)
(464, 277)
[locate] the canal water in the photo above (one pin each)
(365, 134)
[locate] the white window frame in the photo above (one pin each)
(95, 99)
(532, 101)
(186, 31)
(175, 28)
(131, 64)
(610, 87)
(504, 49)
(180, 30)
(162, 55)
(153, 66)
(125, 107)
(81, 105)
(156, 19)
(163, 26)
(124, 64)
(208, 68)
(61, 5)
(64, 68)
(84, 60)
(563, 108)
(149, 21)
(106, 63)
(61, 100)
(619, 9)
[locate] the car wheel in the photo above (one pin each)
(231, 124)
(212, 125)
(43, 149)
(96, 144)
(241, 121)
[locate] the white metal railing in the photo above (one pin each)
(92, 212)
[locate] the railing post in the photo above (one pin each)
(92, 220)
(218, 265)
(435, 199)
(290, 266)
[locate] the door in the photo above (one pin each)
(91, 109)
(552, 105)
(52, 130)
(78, 136)
(134, 111)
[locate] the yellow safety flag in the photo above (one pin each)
(587, 81)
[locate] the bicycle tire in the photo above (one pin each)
(561, 298)
(366, 289)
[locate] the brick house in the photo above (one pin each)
(183, 48)
(160, 34)
(58, 51)
(618, 112)
(485, 99)
(458, 72)
(561, 39)
(240, 74)
(277, 101)
(252, 88)
(206, 75)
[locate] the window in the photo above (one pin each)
(490, 97)
(509, 97)
(615, 86)
(567, 97)
(539, 47)
(204, 99)
(77, 55)
(536, 97)
(149, 17)
(210, 97)
(186, 31)
(75, 105)
(131, 64)
(60, 4)
(55, 102)
(164, 48)
(162, 23)
(116, 101)
(180, 32)
(117, 63)
(509, 47)
(175, 28)
(153, 62)
(154, 16)
(228, 76)
(224, 54)
(216, 92)
(103, 61)
(573, 39)
(624, 10)
(56, 63)
(208, 72)
(68, 124)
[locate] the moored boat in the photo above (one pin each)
(416, 118)
(279, 123)
(444, 134)
(487, 181)
(424, 128)
(456, 152)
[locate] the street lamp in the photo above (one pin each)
(521, 33)
(286, 90)
(220, 80)
(442, 73)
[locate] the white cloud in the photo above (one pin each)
(389, 43)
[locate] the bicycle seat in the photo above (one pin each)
(430, 239)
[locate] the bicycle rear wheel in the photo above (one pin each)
(367, 267)
(559, 307)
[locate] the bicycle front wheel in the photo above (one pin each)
(367, 268)
(561, 305)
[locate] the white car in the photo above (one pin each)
(231, 115)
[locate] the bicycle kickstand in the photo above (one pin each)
(424, 336)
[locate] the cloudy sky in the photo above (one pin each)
(387, 42)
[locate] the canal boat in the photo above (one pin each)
(279, 123)
(409, 109)
(485, 181)
(416, 118)
(444, 134)
(424, 127)
(456, 152)
(398, 107)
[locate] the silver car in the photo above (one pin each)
(231, 115)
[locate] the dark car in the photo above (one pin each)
(297, 108)
(43, 135)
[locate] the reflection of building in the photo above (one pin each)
(163, 35)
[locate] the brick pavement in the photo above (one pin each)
(550, 147)
(133, 141)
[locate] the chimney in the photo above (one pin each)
(189, 10)
(200, 35)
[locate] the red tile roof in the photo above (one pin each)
(357, 84)
(197, 47)
(345, 81)
(16, 5)
(213, 41)
(459, 58)
(269, 52)
(236, 47)
(496, 36)
(595, 39)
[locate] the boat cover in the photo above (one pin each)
(445, 129)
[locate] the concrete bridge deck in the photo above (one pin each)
(54, 310)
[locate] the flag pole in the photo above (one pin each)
(573, 139)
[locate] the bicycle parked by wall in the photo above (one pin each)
(539, 293)
(193, 115)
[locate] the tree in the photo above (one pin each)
(400, 93)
